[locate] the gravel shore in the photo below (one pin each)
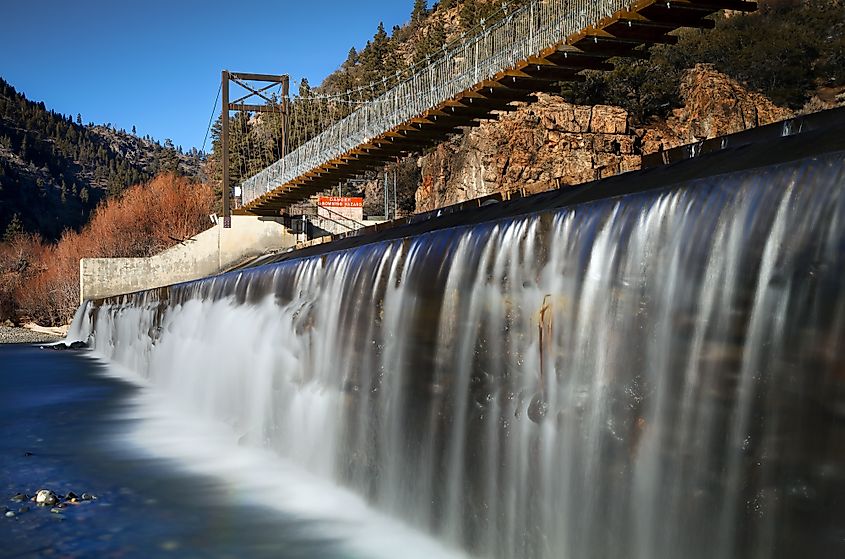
(10, 335)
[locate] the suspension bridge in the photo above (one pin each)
(530, 50)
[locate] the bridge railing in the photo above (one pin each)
(521, 34)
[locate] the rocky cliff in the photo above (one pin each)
(553, 143)
(714, 105)
(541, 146)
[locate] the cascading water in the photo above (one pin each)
(655, 376)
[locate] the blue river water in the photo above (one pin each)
(62, 422)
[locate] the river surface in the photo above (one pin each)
(165, 487)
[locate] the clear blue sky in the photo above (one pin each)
(156, 64)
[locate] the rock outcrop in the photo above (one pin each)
(552, 143)
(714, 105)
(540, 146)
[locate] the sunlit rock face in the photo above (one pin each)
(552, 143)
(541, 146)
(654, 376)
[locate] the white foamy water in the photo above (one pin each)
(656, 376)
(260, 477)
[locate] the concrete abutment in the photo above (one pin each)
(211, 252)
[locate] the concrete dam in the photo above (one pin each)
(650, 370)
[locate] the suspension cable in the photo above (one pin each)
(211, 118)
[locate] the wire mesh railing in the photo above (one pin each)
(523, 33)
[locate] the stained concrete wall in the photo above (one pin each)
(211, 252)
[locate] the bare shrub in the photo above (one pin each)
(41, 282)
(22, 257)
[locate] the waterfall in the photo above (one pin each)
(654, 376)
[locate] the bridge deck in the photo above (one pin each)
(623, 34)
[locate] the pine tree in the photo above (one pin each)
(351, 59)
(419, 12)
(469, 14)
(473, 12)
(432, 43)
(304, 88)
(24, 149)
(15, 227)
(374, 55)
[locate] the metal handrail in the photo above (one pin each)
(524, 33)
(312, 211)
(357, 223)
(344, 225)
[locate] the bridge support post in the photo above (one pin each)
(274, 105)
(227, 212)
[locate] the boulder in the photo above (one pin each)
(45, 497)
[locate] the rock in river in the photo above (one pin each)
(46, 497)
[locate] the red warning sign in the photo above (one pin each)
(340, 202)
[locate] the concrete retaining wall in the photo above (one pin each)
(211, 252)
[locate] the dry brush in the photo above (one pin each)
(39, 281)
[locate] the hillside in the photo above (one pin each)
(786, 58)
(789, 50)
(54, 170)
(790, 53)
